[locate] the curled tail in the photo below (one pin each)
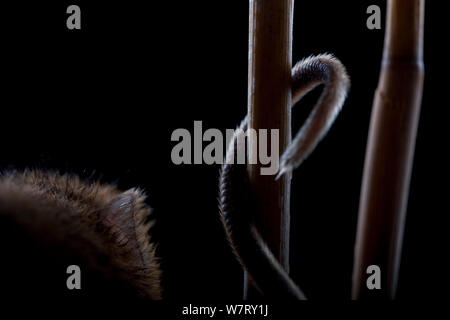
(235, 199)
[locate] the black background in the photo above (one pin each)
(102, 102)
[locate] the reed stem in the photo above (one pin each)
(390, 150)
(269, 107)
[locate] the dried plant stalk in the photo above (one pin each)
(269, 107)
(390, 150)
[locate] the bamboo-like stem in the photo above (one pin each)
(269, 107)
(390, 150)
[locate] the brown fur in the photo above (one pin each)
(92, 219)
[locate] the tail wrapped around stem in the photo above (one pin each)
(235, 199)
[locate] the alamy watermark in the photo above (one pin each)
(213, 153)
(74, 280)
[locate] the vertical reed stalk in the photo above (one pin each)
(269, 107)
(390, 150)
